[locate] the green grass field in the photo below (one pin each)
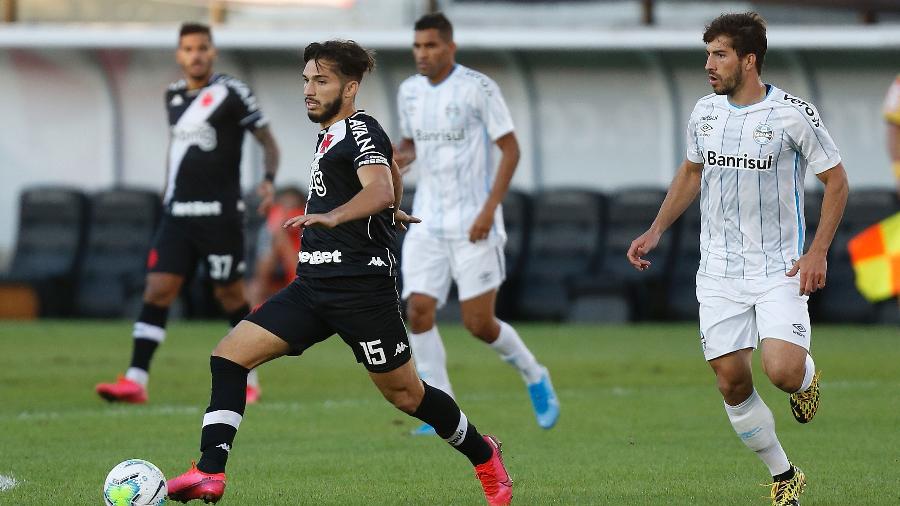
(641, 423)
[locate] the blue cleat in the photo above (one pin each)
(423, 430)
(544, 401)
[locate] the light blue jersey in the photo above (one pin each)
(754, 160)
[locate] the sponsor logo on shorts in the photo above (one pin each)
(196, 208)
(320, 257)
(377, 262)
(800, 330)
(485, 277)
(401, 347)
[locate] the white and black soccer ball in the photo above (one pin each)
(135, 482)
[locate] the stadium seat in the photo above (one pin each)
(52, 225)
(681, 279)
(111, 282)
(567, 233)
(516, 219)
(840, 301)
(617, 292)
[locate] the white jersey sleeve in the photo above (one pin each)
(492, 109)
(807, 134)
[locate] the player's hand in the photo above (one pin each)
(812, 267)
(640, 247)
(326, 220)
(403, 158)
(266, 192)
(482, 225)
(401, 220)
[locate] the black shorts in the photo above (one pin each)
(180, 242)
(363, 310)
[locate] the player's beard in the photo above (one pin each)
(329, 111)
(730, 85)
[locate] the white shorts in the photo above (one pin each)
(430, 264)
(737, 313)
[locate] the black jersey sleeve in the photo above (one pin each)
(372, 146)
(245, 106)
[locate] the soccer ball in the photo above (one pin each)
(135, 482)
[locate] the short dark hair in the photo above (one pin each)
(350, 59)
(437, 21)
(191, 28)
(747, 32)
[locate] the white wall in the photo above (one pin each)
(595, 119)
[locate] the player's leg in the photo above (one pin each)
(231, 297)
(285, 324)
(783, 320)
(479, 270)
(426, 282)
(728, 335)
(171, 256)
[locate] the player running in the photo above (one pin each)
(203, 211)
(346, 285)
(749, 147)
(450, 116)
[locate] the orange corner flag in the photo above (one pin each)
(875, 254)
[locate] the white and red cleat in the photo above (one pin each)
(253, 394)
(195, 484)
(123, 390)
(494, 479)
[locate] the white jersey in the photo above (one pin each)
(453, 125)
(751, 194)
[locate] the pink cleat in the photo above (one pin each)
(123, 390)
(494, 479)
(253, 394)
(195, 484)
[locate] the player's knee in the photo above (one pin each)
(421, 317)
(231, 297)
(160, 294)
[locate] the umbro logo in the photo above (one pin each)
(799, 329)
(401, 347)
(176, 101)
(377, 262)
(225, 446)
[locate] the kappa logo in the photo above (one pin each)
(176, 101)
(377, 262)
(401, 347)
(799, 329)
(225, 446)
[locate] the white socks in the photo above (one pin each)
(754, 424)
(511, 349)
(808, 375)
(431, 359)
(253, 379)
(138, 375)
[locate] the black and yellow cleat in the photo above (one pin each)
(787, 492)
(805, 404)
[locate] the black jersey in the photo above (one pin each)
(356, 248)
(207, 133)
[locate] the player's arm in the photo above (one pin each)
(404, 154)
(401, 219)
(893, 140)
(812, 266)
(271, 159)
(509, 160)
(682, 192)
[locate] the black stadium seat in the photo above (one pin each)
(566, 243)
(517, 220)
(681, 278)
(52, 223)
(112, 275)
(840, 301)
(617, 292)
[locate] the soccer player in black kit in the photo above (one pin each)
(346, 285)
(203, 212)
